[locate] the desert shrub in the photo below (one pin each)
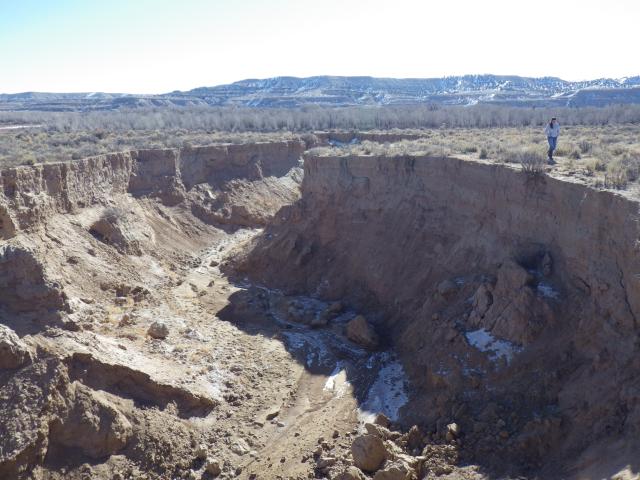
(483, 155)
(615, 177)
(114, 215)
(531, 161)
(629, 165)
(585, 146)
(469, 149)
(575, 154)
(595, 165)
(618, 150)
(28, 160)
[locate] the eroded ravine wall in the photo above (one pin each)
(29, 194)
(385, 233)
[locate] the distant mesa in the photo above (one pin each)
(293, 92)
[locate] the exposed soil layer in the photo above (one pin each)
(512, 300)
(218, 312)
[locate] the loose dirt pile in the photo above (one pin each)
(196, 313)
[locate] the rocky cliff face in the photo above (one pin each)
(512, 299)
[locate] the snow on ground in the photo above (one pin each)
(337, 381)
(496, 348)
(546, 290)
(17, 127)
(387, 394)
(317, 351)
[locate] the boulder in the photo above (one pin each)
(351, 473)
(453, 431)
(481, 301)
(361, 332)
(158, 330)
(368, 452)
(201, 452)
(395, 471)
(378, 430)
(213, 467)
(512, 309)
(124, 230)
(382, 420)
(14, 352)
(447, 288)
(413, 438)
(93, 425)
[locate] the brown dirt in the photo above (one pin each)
(290, 318)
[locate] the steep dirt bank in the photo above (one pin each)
(512, 300)
(504, 309)
(126, 353)
(113, 363)
(206, 175)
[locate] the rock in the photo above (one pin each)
(377, 430)
(240, 447)
(351, 473)
(123, 230)
(395, 471)
(335, 308)
(359, 331)
(447, 288)
(413, 438)
(453, 431)
(201, 452)
(368, 452)
(326, 462)
(158, 330)
(14, 352)
(382, 420)
(213, 467)
(320, 320)
(517, 312)
(512, 275)
(482, 300)
(93, 425)
(191, 475)
(273, 413)
(127, 319)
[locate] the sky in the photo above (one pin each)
(145, 46)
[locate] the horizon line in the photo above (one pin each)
(93, 92)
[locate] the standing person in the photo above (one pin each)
(552, 130)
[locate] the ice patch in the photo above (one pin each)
(546, 290)
(485, 342)
(387, 394)
(317, 354)
(337, 381)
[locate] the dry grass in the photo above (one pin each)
(423, 146)
(607, 156)
(29, 146)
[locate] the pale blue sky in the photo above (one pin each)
(145, 46)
